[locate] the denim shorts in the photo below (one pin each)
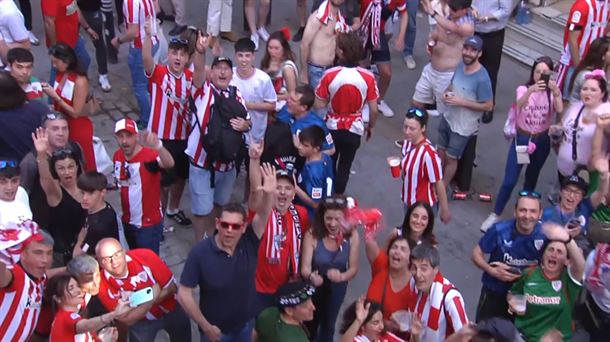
(453, 143)
(203, 196)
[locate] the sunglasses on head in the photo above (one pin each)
(532, 194)
(179, 41)
(8, 163)
(415, 112)
(63, 152)
(230, 226)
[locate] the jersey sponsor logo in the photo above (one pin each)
(538, 243)
(576, 16)
(556, 285)
(508, 259)
(543, 300)
(316, 193)
(531, 284)
(74, 316)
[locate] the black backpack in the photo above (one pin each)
(221, 142)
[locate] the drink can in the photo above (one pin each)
(484, 197)
(459, 195)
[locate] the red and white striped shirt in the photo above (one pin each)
(140, 187)
(20, 304)
(442, 310)
(169, 111)
(421, 168)
(204, 99)
(385, 337)
(64, 328)
(347, 90)
(144, 269)
(136, 12)
(33, 90)
(592, 17)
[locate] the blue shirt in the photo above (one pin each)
(316, 179)
(584, 209)
(505, 244)
(227, 292)
(309, 119)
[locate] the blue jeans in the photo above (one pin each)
(139, 82)
(147, 237)
(411, 27)
(513, 170)
(176, 323)
(83, 57)
(242, 335)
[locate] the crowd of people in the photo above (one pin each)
(275, 265)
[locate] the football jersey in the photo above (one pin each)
(421, 168)
(63, 328)
(137, 12)
(590, 17)
(316, 179)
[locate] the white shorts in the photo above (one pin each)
(431, 86)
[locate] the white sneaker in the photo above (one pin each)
(262, 32)
(254, 39)
(104, 83)
(410, 62)
(385, 109)
(489, 221)
(33, 39)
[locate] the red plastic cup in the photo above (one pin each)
(394, 163)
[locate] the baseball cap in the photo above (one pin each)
(222, 59)
(475, 42)
(126, 124)
(576, 180)
(293, 294)
(286, 174)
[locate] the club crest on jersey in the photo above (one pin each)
(538, 243)
(556, 285)
(576, 16)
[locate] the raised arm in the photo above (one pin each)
(151, 140)
(50, 186)
(96, 323)
(199, 60)
(269, 188)
(601, 165)
(255, 200)
(147, 54)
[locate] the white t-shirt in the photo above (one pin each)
(257, 88)
(17, 210)
(12, 25)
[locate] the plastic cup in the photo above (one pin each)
(518, 303)
(394, 163)
(403, 318)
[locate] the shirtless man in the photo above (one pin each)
(445, 49)
(318, 43)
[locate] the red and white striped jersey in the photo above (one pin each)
(34, 90)
(421, 168)
(442, 310)
(136, 12)
(347, 90)
(20, 304)
(204, 99)
(169, 110)
(591, 16)
(139, 181)
(63, 328)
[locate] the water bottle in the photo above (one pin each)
(524, 14)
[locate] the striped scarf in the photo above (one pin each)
(371, 24)
(324, 15)
(277, 237)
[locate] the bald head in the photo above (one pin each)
(106, 244)
(111, 256)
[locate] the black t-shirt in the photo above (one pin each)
(102, 224)
(90, 5)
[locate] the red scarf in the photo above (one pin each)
(278, 237)
(14, 237)
(324, 15)
(601, 268)
(371, 24)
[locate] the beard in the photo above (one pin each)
(468, 60)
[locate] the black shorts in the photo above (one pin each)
(381, 55)
(181, 162)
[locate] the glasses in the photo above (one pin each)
(532, 194)
(8, 163)
(179, 41)
(108, 260)
(230, 226)
(415, 112)
(62, 153)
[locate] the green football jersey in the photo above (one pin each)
(549, 303)
(270, 328)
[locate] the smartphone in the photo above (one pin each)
(514, 270)
(140, 297)
(573, 223)
(546, 77)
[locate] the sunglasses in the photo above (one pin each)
(179, 41)
(8, 163)
(415, 112)
(62, 153)
(532, 194)
(230, 226)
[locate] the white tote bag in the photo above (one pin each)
(102, 159)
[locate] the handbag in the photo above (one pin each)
(92, 105)
(510, 126)
(103, 162)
